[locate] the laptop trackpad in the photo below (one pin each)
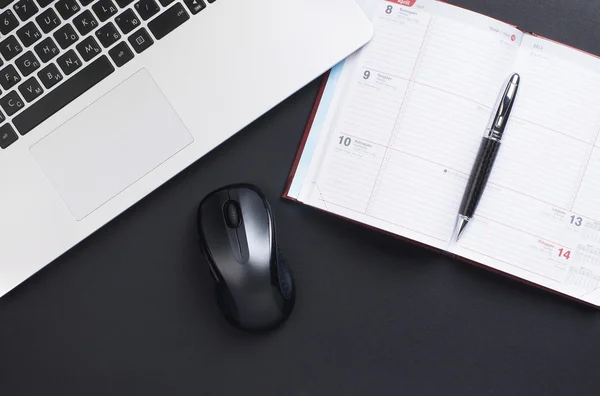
(111, 144)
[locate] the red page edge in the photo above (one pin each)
(311, 119)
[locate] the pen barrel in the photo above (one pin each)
(488, 151)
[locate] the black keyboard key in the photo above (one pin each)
(195, 6)
(7, 135)
(67, 8)
(64, 94)
(108, 35)
(147, 8)
(48, 20)
(29, 34)
(25, 9)
(211, 1)
(46, 49)
(165, 2)
(166, 22)
(5, 3)
(10, 47)
(140, 40)
(85, 22)
(50, 76)
(9, 77)
(27, 63)
(121, 54)
(69, 62)
(127, 21)
(65, 36)
(104, 9)
(88, 48)
(8, 22)
(31, 89)
(11, 103)
(124, 3)
(86, 2)
(44, 3)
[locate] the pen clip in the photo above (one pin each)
(505, 106)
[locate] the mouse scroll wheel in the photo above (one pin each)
(233, 216)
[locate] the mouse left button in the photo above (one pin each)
(232, 213)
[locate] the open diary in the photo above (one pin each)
(397, 126)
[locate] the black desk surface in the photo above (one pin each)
(131, 310)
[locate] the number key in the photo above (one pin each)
(44, 3)
(65, 36)
(50, 76)
(5, 3)
(127, 21)
(67, 8)
(85, 22)
(10, 47)
(104, 9)
(31, 89)
(8, 22)
(146, 8)
(25, 9)
(29, 34)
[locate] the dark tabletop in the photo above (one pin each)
(131, 310)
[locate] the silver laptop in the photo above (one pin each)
(104, 100)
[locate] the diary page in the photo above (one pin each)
(406, 133)
(539, 218)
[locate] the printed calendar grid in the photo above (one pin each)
(411, 80)
(467, 174)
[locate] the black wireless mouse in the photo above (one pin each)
(255, 288)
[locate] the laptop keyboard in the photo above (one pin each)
(51, 51)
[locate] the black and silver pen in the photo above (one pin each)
(488, 151)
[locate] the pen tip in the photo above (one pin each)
(461, 226)
(515, 79)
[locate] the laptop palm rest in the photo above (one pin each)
(111, 144)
